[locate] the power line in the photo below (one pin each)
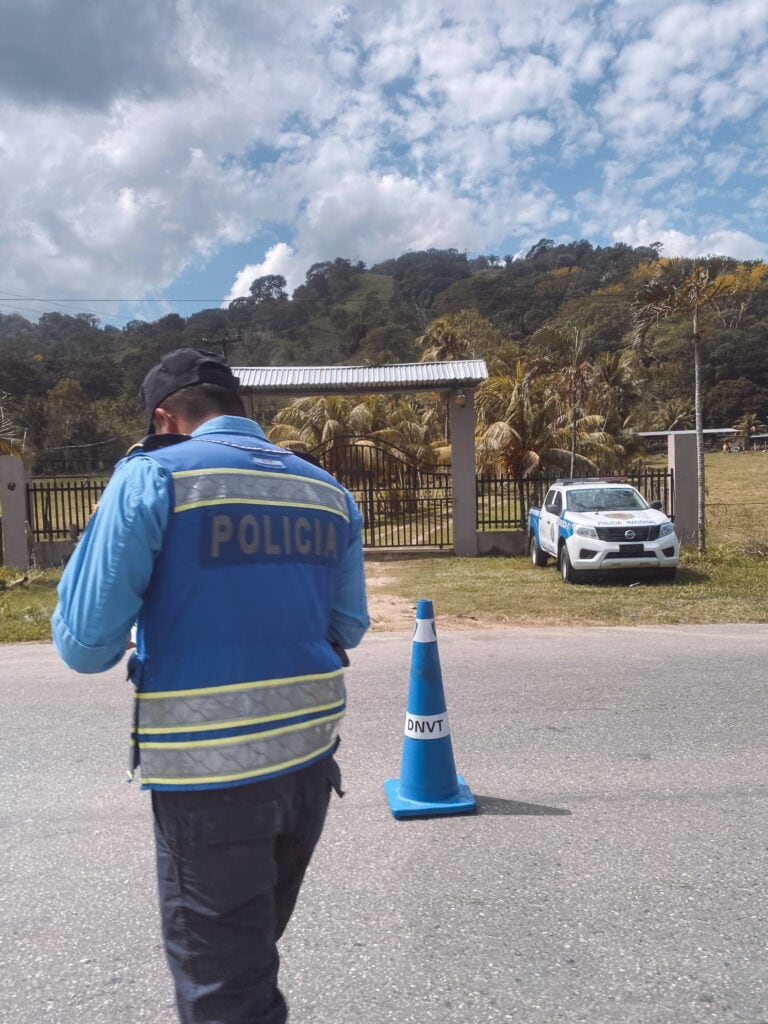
(32, 298)
(73, 306)
(16, 308)
(93, 444)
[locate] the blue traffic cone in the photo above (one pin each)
(428, 783)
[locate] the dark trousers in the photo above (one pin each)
(230, 863)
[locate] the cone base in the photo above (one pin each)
(462, 803)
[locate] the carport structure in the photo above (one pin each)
(456, 378)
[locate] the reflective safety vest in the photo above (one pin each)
(235, 678)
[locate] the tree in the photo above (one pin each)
(462, 335)
(681, 288)
(674, 414)
(69, 423)
(614, 387)
(270, 288)
(524, 430)
(573, 381)
(747, 425)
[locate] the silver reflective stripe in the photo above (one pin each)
(228, 707)
(211, 762)
(248, 486)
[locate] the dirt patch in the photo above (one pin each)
(389, 612)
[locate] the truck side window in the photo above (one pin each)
(550, 498)
(557, 501)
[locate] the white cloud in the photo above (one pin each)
(280, 260)
(724, 163)
(724, 242)
(696, 58)
(360, 216)
(366, 131)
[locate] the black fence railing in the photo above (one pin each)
(415, 512)
(503, 502)
(403, 503)
(60, 509)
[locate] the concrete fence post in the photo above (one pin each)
(681, 458)
(14, 477)
(463, 472)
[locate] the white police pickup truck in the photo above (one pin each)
(592, 526)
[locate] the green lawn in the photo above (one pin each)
(737, 499)
(721, 586)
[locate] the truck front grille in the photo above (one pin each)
(619, 533)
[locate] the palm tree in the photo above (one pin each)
(674, 414)
(614, 386)
(462, 335)
(687, 289)
(747, 425)
(573, 383)
(309, 422)
(524, 430)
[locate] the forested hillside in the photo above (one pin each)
(555, 327)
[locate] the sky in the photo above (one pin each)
(158, 157)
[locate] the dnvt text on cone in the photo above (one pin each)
(428, 783)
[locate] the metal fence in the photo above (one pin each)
(60, 509)
(402, 505)
(503, 502)
(740, 523)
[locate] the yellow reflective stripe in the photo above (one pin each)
(210, 726)
(203, 779)
(235, 687)
(260, 502)
(335, 492)
(228, 741)
(213, 470)
(219, 470)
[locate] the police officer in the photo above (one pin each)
(241, 566)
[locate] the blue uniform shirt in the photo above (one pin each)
(104, 583)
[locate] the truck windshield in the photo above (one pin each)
(605, 499)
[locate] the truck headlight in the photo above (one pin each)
(666, 529)
(586, 531)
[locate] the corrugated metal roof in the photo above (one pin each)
(706, 430)
(339, 379)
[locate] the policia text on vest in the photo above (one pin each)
(234, 537)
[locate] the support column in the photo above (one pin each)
(13, 493)
(681, 458)
(463, 472)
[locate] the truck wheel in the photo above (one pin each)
(539, 558)
(567, 571)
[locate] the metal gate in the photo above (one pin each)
(403, 503)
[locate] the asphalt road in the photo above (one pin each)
(615, 872)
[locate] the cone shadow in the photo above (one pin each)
(497, 805)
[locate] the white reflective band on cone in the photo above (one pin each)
(427, 727)
(425, 632)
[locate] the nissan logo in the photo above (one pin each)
(629, 534)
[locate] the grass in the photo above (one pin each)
(26, 607)
(721, 586)
(737, 500)
(727, 584)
